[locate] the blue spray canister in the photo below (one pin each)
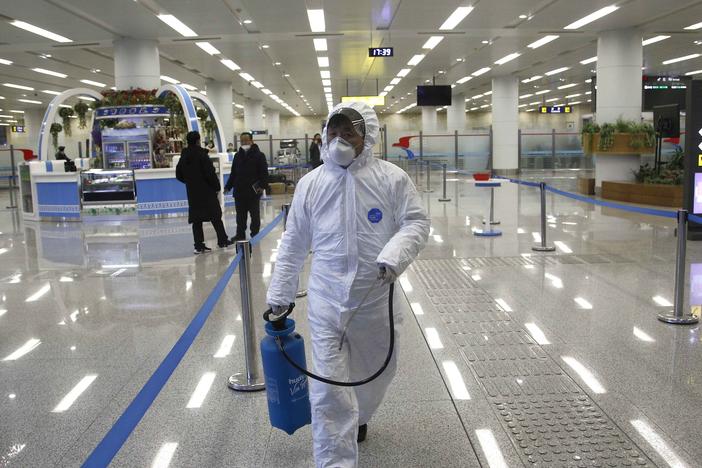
(286, 387)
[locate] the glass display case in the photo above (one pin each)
(128, 148)
(115, 154)
(107, 186)
(139, 153)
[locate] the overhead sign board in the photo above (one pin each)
(18, 129)
(555, 110)
(381, 51)
(116, 112)
(370, 100)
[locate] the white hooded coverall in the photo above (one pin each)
(352, 220)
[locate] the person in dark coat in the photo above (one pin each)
(61, 154)
(315, 157)
(249, 178)
(198, 174)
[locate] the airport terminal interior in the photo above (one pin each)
(550, 320)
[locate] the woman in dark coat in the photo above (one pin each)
(315, 156)
(198, 174)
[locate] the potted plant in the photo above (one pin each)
(620, 137)
(65, 113)
(82, 111)
(54, 130)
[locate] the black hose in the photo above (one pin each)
(359, 382)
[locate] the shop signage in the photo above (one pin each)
(555, 109)
(115, 112)
(18, 129)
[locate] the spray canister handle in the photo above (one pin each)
(278, 321)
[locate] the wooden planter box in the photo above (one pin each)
(645, 194)
(591, 144)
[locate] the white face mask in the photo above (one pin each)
(245, 147)
(341, 152)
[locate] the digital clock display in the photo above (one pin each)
(381, 51)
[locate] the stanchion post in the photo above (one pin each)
(444, 198)
(455, 149)
(519, 150)
(307, 149)
(270, 148)
(416, 173)
(421, 146)
(249, 381)
(492, 220)
(678, 316)
(553, 148)
(428, 189)
(13, 176)
(543, 247)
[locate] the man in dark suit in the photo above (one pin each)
(249, 178)
(198, 174)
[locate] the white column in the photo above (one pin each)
(32, 122)
(253, 114)
(505, 123)
(619, 60)
(273, 122)
(456, 114)
(136, 64)
(220, 95)
(429, 124)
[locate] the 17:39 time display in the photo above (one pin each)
(381, 51)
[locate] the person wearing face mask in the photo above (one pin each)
(364, 222)
(248, 179)
(315, 151)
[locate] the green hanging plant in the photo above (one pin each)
(82, 112)
(65, 113)
(210, 126)
(55, 129)
(202, 114)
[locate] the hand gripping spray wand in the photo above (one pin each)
(285, 371)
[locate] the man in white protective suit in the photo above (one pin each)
(364, 222)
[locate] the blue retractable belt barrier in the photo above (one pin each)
(108, 447)
(619, 206)
(694, 218)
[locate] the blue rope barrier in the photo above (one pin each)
(633, 209)
(694, 218)
(113, 441)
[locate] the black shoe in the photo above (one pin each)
(362, 431)
(227, 243)
(201, 250)
(236, 239)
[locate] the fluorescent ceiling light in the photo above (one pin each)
(551, 100)
(694, 72)
(178, 25)
(29, 346)
(524, 96)
(415, 60)
(556, 71)
(566, 86)
(584, 374)
(326, 82)
(86, 98)
(320, 44)
(387, 89)
(189, 87)
(246, 76)
(533, 78)
(94, 83)
(257, 84)
(654, 39)
(230, 64)
(165, 455)
(543, 91)
(325, 74)
(487, 93)
(48, 91)
(433, 338)
(168, 79)
(589, 60)
(40, 31)
(491, 448)
(75, 392)
(432, 42)
(544, 40)
(481, 71)
(570, 96)
(17, 111)
(694, 26)
(464, 79)
(323, 61)
(316, 18)
(404, 72)
(456, 17)
(5, 62)
(537, 334)
(395, 81)
(383, 94)
(12, 85)
(592, 17)
(680, 59)
(201, 390)
(207, 47)
(266, 91)
(49, 72)
(456, 382)
(327, 89)
(574, 103)
(507, 58)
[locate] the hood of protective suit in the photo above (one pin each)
(372, 125)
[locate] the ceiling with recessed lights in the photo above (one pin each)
(267, 48)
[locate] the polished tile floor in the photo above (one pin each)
(508, 357)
